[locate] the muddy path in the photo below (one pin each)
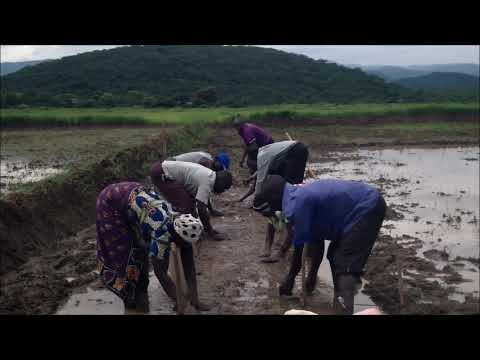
(231, 277)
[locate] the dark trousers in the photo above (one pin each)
(252, 154)
(347, 255)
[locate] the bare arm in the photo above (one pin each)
(250, 191)
(214, 212)
(204, 217)
(295, 266)
(243, 156)
(160, 268)
(252, 177)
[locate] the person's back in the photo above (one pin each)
(250, 132)
(193, 157)
(333, 206)
(266, 155)
(197, 179)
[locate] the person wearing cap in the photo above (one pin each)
(287, 159)
(189, 188)
(132, 223)
(348, 213)
(218, 163)
(254, 138)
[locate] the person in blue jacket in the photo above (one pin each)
(348, 213)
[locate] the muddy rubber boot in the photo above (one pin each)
(286, 287)
(130, 299)
(311, 283)
(344, 293)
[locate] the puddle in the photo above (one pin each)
(96, 300)
(362, 301)
(436, 191)
(18, 171)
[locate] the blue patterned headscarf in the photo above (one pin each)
(225, 160)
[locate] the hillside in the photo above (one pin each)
(443, 83)
(194, 76)
(390, 73)
(11, 67)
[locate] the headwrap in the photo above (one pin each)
(224, 160)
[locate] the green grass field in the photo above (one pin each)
(183, 116)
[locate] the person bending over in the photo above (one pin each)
(189, 187)
(218, 163)
(287, 159)
(133, 221)
(254, 137)
(348, 213)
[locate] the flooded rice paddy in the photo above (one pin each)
(433, 194)
(435, 197)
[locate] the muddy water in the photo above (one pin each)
(19, 171)
(437, 192)
(96, 300)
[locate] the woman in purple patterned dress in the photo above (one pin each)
(133, 223)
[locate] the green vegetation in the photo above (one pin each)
(180, 116)
(194, 76)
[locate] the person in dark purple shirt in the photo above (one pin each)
(348, 213)
(254, 138)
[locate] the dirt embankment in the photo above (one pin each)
(59, 207)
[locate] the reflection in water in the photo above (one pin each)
(20, 172)
(437, 190)
(96, 300)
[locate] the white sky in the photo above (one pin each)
(343, 54)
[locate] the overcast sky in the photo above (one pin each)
(343, 54)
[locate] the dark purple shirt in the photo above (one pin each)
(250, 133)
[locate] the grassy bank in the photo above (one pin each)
(184, 116)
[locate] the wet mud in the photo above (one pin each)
(422, 263)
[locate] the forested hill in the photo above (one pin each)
(11, 67)
(453, 85)
(200, 75)
(442, 81)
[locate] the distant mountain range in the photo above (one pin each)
(461, 80)
(441, 82)
(11, 67)
(390, 73)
